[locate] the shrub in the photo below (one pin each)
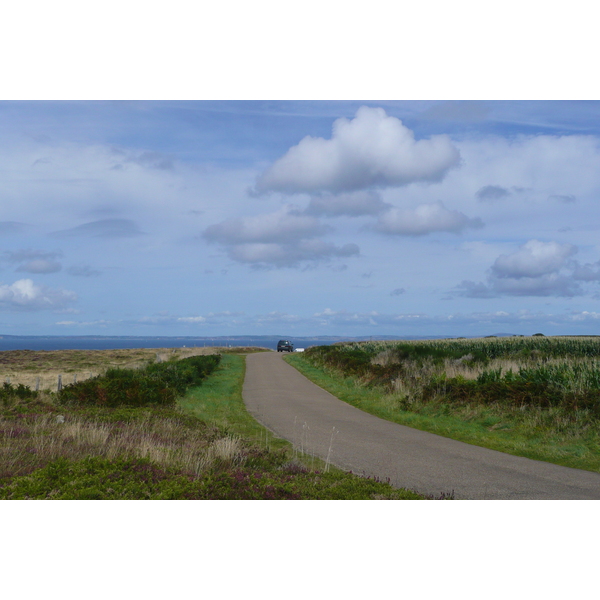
(157, 384)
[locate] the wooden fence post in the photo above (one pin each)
(59, 383)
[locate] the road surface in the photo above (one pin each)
(316, 422)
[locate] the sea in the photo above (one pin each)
(31, 342)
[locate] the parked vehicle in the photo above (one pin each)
(285, 346)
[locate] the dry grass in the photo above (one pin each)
(39, 369)
(39, 439)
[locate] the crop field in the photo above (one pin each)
(148, 424)
(532, 396)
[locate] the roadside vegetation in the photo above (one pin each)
(536, 396)
(151, 425)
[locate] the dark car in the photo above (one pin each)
(285, 346)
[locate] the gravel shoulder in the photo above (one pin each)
(316, 422)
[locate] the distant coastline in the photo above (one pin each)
(107, 342)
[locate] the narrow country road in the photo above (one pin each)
(296, 409)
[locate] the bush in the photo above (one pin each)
(21, 391)
(157, 384)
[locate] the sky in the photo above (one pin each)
(234, 173)
(299, 218)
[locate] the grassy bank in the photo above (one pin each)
(203, 446)
(536, 397)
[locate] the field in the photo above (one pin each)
(530, 396)
(40, 369)
(148, 424)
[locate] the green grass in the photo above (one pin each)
(219, 401)
(546, 434)
(205, 447)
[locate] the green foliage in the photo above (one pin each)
(10, 392)
(541, 347)
(571, 384)
(157, 384)
(96, 478)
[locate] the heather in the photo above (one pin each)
(120, 435)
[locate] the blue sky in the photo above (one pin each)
(333, 217)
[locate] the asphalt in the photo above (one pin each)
(319, 424)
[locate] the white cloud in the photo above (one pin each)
(284, 238)
(424, 219)
(191, 319)
(282, 226)
(371, 150)
(535, 269)
(354, 204)
(290, 255)
(533, 259)
(25, 295)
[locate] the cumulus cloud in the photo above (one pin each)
(424, 219)
(535, 269)
(533, 259)
(371, 150)
(104, 228)
(491, 192)
(24, 294)
(284, 238)
(354, 204)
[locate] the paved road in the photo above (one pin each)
(296, 409)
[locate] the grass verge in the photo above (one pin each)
(490, 426)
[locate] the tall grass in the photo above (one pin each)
(536, 397)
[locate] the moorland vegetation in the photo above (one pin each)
(532, 396)
(151, 425)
